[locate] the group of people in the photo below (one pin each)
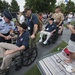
(27, 28)
(26, 31)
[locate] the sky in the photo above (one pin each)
(22, 3)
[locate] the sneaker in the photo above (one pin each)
(4, 71)
(45, 42)
(40, 40)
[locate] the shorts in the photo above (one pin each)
(71, 46)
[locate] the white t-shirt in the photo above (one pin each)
(69, 18)
(22, 19)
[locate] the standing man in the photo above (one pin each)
(32, 22)
(6, 27)
(58, 18)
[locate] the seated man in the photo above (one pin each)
(8, 51)
(49, 30)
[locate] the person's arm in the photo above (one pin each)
(14, 50)
(71, 28)
(53, 31)
(25, 44)
(2, 35)
(35, 29)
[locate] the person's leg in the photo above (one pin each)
(41, 35)
(48, 36)
(7, 59)
(8, 46)
(2, 50)
(33, 43)
(71, 47)
(70, 58)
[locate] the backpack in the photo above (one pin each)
(39, 22)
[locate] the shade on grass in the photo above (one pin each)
(34, 70)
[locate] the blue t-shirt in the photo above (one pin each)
(23, 40)
(31, 21)
(50, 28)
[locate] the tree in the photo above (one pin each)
(5, 5)
(41, 5)
(63, 7)
(70, 7)
(1, 7)
(14, 6)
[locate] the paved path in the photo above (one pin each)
(43, 50)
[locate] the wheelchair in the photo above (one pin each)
(53, 38)
(25, 58)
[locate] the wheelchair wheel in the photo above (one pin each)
(29, 56)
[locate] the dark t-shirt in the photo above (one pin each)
(72, 38)
(31, 21)
(23, 40)
(50, 28)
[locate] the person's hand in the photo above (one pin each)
(69, 26)
(57, 25)
(8, 52)
(32, 36)
(8, 37)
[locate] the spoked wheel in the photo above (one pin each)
(29, 57)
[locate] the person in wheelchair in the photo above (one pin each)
(48, 30)
(8, 51)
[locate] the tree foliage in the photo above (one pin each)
(63, 7)
(70, 7)
(41, 5)
(14, 6)
(3, 5)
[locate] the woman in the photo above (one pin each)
(8, 51)
(71, 45)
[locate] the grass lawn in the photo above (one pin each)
(35, 71)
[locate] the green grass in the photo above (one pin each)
(34, 70)
(72, 23)
(59, 47)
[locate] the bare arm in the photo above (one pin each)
(15, 50)
(35, 29)
(72, 29)
(53, 31)
(2, 35)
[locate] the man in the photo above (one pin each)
(32, 22)
(8, 51)
(6, 27)
(71, 45)
(58, 18)
(49, 30)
